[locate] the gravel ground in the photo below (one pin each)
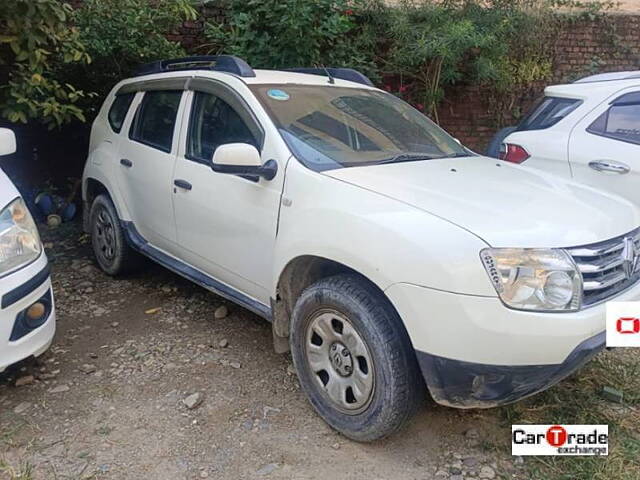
(144, 380)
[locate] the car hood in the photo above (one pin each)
(506, 205)
(8, 190)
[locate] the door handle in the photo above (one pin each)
(126, 162)
(609, 166)
(182, 184)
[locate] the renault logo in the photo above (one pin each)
(630, 257)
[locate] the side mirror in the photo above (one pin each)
(242, 159)
(7, 141)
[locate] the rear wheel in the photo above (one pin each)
(354, 358)
(110, 247)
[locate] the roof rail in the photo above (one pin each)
(348, 74)
(218, 63)
(609, 77)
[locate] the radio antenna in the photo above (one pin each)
(331, 79)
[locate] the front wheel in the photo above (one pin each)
(354, 358)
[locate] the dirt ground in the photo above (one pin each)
(107, 400)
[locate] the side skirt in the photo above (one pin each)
(138, 243)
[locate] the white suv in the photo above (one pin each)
(588, 131)
(382, 251)
(27, 313)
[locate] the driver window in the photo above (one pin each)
(214, 122)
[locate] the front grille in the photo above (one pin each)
(608, 267)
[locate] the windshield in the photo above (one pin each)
(329, 127)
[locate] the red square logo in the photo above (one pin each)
(628, 325)
(623, 324)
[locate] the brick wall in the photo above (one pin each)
(582, 49)
(191, 34)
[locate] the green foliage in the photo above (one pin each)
(121, 34)
(36, 40)
(419, 48)
(492, 43)
(291, 33)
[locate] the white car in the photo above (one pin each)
(588, 131)
(386, 255)
(27, 313)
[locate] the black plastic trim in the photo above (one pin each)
(26, 288)
(21, 327)
(172, 83)
(138, 243)
(218, 63)
(267, 171)
(182, 184)
(460, 384)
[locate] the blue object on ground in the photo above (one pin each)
(45, 203)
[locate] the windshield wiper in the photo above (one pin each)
(406, 157)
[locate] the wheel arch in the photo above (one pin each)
(298, 274)
(93, 186)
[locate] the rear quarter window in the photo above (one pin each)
(118, 110)
(547, 112)
(621, 121)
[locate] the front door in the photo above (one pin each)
(604, 147)
(226, 224)
(146, 163)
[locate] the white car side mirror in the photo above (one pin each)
(7, 141)
(242, 159)
(237, 154)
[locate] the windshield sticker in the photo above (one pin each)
(278, 94)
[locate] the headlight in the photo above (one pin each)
(19, 239)
(534, 279)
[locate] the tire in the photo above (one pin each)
(347, 312)
(110, 248)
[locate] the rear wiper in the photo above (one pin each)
(405, 157)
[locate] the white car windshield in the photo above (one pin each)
(328, 127)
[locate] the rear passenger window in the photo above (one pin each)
(155, 119)
(548, 112)
(119, 109)
(621, 121)
(213, 123)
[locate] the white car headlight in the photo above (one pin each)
(19, 239)
(534, 279)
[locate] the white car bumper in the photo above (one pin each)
(18, 291)
(475, 352)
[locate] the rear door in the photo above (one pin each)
(604, 147)
(146, 163)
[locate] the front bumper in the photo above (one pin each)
(18, 291)
(475, 352)
(473, 385)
